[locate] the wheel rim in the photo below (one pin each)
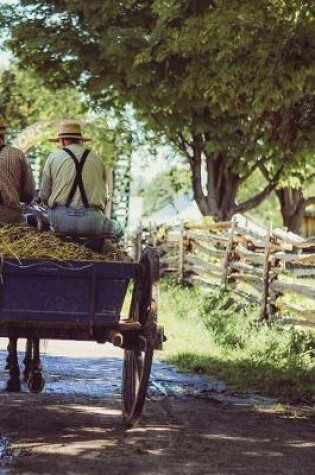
(136, 376)
(138, 359)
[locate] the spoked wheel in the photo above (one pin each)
(138, 358)
(136, 375)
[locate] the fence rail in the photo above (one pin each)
(272, 268)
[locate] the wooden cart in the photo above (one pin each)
(83, 300)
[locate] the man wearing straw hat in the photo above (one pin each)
(16, 180)
(74, 186)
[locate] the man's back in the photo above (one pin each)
(16, 178)
(59, 175)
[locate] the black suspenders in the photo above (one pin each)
(1, 148)
(78, 183)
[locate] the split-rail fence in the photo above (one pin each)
(272, 268)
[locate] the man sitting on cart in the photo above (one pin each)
(16, 181)
(74, 187)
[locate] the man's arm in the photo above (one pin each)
(106, 185)
(46, 186)
(27, 191)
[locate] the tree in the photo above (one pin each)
(295, 193)
(269, 210)
(166, 188)
(32, 112)
(26, 101)
(211, 75)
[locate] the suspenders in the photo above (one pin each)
(78, 182)
(1, 148)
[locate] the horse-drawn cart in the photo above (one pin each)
(83, 300)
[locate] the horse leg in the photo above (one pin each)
(36, 355)
(27, 359)
(13, 383)
(8, 358)
(36, 381)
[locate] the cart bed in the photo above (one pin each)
(88, 293)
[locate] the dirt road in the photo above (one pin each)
(75, 426)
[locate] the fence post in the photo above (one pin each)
(228, 251)
(137, 243)
(266, 281)
(134, 244)
(154, 235)
(150, 228)
(181, 253)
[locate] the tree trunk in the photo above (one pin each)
(292, 203)
(222, 185)
(217, 197)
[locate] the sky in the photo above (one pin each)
(4, 57)
(4, 60)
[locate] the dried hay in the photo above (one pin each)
(22, 242)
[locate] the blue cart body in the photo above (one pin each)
(82, 300)
(34, 292)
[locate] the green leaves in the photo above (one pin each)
(25, 99)
(229, 77)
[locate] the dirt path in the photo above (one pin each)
(75, 426)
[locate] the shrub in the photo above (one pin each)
(236, 327)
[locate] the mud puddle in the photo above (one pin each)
(100, 377)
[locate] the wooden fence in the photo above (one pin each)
(268, 267)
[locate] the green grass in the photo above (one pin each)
(215, 336)
(179, 312)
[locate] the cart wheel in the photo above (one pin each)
(36, 382)
(147, 291)
(138, 360)
(136, 375)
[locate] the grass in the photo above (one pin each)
(215, 336)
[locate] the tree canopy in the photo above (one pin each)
(229, 82)
(25, 99)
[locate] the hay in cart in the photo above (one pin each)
(22, 242)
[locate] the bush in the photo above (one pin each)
(236, 328)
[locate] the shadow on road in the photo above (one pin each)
(75, 427)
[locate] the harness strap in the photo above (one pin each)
(78, 182)
(1, 199)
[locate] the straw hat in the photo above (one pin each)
(3, 125)
(69, 129)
